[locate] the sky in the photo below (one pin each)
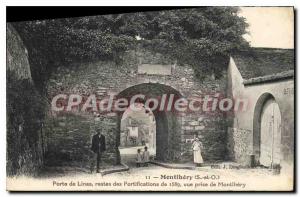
(139, 112)
(270, 27)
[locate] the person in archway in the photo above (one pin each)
(197, 145)
(98, 147)
(146, 156)
(139, 158)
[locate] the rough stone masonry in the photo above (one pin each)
(69, 134)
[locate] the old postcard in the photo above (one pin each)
(185, 99)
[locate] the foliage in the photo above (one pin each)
(202, 37)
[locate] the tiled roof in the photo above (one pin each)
(267, 78)
(258, 62)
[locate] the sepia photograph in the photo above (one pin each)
(168, 99)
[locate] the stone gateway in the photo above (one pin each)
(262, 134)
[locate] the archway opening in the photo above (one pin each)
(137, 131)
(166, 143)
(267, 131)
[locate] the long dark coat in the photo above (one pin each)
(98, 143)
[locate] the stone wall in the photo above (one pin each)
(24, 131)
(70, 138)
(103, 78)
(239, 143)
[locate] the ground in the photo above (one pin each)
(204, 177)
(159, 178)
(221, 176)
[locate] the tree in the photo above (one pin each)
(202, 37)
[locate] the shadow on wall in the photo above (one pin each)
(25, 111)
(25, 138)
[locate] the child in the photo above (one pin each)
(146, 156)
(139, 158)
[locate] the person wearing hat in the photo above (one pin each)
(98, 146)
(197, 145)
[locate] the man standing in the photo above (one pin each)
(98, 146)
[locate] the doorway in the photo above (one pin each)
(270, 129)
